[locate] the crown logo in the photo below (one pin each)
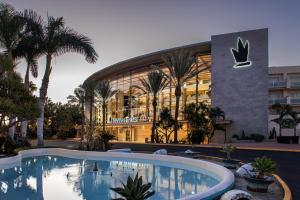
(241, 54)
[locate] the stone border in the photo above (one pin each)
(225, 175)
(286, 190)
(285, 187)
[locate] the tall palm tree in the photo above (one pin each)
(154, 83)
(11, 29)
(29, 49)
(105, 91)
(89, 87)
(58, 40)
(181, 66)
(79, 98)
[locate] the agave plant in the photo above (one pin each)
(263, 166)
(134, 189)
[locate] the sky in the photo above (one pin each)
(122, 29)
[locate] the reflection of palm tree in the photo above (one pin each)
(165, 173)
(176, 188)
(39, 180)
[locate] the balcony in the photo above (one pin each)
(295, 101)
(277, 84)
(295, 84)
(278, 101)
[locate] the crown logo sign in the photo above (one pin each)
(241, 54)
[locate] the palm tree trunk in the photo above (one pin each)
(12, 129)
(153, 135)
(42, 100)
(103, 116)
(177, 94)
(82, 124)
(24, 123)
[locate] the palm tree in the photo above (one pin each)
(180, 64)
(58, 40)
(287, 117)
(105, 91)
(155, 82)
(79, 98)
(29, 49)
(89, 88)
(11, 27)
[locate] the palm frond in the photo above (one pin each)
(70, 41)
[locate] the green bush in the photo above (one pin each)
(263, 166)
(257, 137)
(10, 145)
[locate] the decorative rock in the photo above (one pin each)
(161, 152)
(245, 170)
(237, 195)
(189, 151)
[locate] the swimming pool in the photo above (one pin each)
(52, 174)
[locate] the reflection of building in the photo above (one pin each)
(129, 112)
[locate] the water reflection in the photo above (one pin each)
(51, 178)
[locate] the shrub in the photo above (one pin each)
(257, 137)
(134, 189)
(10, 145)
(228, 149)
(263, 166)
(236, 136)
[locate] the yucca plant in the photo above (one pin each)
(263, 166)
(134, 189)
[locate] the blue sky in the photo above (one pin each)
(121, 29)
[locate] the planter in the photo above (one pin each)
(258, 185)
(288, 139)
(231, 164)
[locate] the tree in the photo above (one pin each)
(104, 92)
(180, 64)
(58, 40)
(16, 102)
(29, 49)
(215, 114)
(155, 82)
(198, 118)
(166, 124)
(287, 117)
(89, 87)
(79, 98)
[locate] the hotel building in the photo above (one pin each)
(234, 75)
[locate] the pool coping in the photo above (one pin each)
(226, 176)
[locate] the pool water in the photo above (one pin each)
(60, 178)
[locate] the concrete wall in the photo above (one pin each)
(241, 92)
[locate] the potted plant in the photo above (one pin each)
(263, 168)
(229, 162)
(134, 189)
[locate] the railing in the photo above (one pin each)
(295, 100)
(278, 101)
(295, 84)
(277, 84)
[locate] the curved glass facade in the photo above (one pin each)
(129, 112)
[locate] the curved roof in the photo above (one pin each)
(146, 60)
